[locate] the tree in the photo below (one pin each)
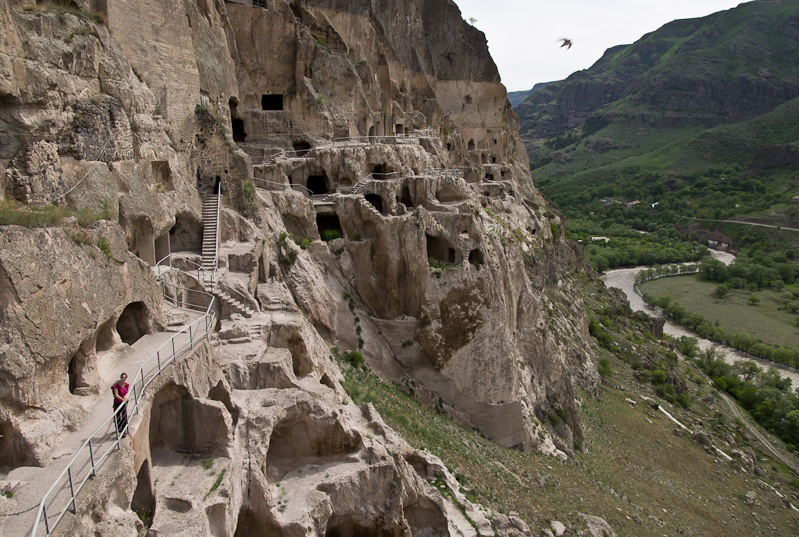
(753, 300)
(722, 290)
(472, 20)
(747, 369)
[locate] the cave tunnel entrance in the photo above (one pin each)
(133, 323)
(405, 197)
(301, 148)
(471, 145)
(400, 128)
(372, 133)
(272, 102)
(476, 257)
(440, 250)
(376, 201)
(72, 374)
(347, 527)
(237, 125)
(317, 184)
(329, 226)
(381, 171)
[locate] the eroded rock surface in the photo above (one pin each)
(374, 195)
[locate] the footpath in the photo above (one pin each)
(29, 484)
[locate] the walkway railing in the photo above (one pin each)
(62, 495)
(235, 294)
(268, 185)
(169, 263)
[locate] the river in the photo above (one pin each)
(624, 279)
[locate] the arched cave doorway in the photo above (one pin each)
(133, 323)
(405, 197)
(301, 148)
(476, 257)
(376, 201)
(372, 133)
(317, 184)
(329, 226)
(236, 123)
(440, 250)
(471, 145)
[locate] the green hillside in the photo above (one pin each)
(697, 119)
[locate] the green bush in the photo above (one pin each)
(605, 370)
(330, 234)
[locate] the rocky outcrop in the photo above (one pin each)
(66, 305)
(375, 196)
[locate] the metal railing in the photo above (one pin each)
(266, 185)
(180, 297)
(235, 294)
(107, 437)
(203, 274)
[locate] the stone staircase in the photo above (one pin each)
(210, 231)
(228, 296)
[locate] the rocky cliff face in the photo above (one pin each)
(371, 178)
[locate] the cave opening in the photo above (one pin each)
(440, 250)
(329, 226)
(489, 177)
(400, 128)
(471, 145)
(72, 374)
(405, 197)
(236, 123)
(132, 323)
(317, 185)
(376, 201)
(381, 171)
(476, 257)
(272, 102)
(301, 148)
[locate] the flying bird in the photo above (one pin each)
(566, 43)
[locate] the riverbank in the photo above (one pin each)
(624, 279)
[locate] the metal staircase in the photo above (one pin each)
(210, 232)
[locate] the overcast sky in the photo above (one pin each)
(523, 35)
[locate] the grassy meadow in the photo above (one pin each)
(767, 320)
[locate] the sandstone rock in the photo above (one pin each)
(750, 497)
(597, 526)
(701, 438)
(558, 527)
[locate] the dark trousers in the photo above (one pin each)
(121, 416)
